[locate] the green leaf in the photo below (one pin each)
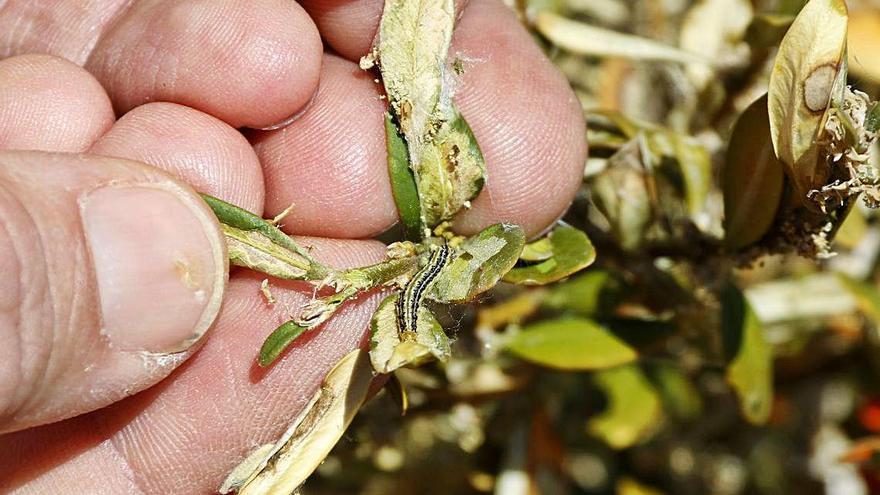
(479, 264)
(807, 64)
(633, 407)
(752, 179)
(254, 243)
(278, 341)
(239, 218)
(750, 372)
(570, 344)
(866, 295)
(571, 251)
(588, 294)
(539, 250)
(403, 184)
(680, 397)
(391, 349)
(852, 229)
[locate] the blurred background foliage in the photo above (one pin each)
(680, 362)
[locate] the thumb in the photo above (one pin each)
(110, 271)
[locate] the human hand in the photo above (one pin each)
(83, 251)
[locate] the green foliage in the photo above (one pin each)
(684, 357)
(587, 294)
(278, 341)
(750, 370)
(483, 260)
(571, 344)
(566, 250)
(633, 407)
(403, 185)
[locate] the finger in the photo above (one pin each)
(330, 163)
(185, 435)
(526, 118)
(198, 149)
(522, 111)
(248, 63)
(50, 104)
(349, 26)
(65, 28)
(112, 271)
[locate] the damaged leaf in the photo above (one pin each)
(479, 264)
(656, 149)
(390, 348)
(585, 39)
(691, 161)
(283, 466)
(806, 67)
(713, 28)
(449, 170)
(414, 39)
(622, 194)
(254, 243)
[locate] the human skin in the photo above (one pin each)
(180, 85)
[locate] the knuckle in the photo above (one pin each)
(27, 310)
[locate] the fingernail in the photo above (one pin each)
(158, 265)
(293, 118)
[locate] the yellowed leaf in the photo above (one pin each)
(584, 39)
(801, 83)
(286, 465)
(712, 28)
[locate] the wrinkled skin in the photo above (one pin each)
(169, 83)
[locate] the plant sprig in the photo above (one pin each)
(436, 169)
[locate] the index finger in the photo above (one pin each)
(522, 111)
